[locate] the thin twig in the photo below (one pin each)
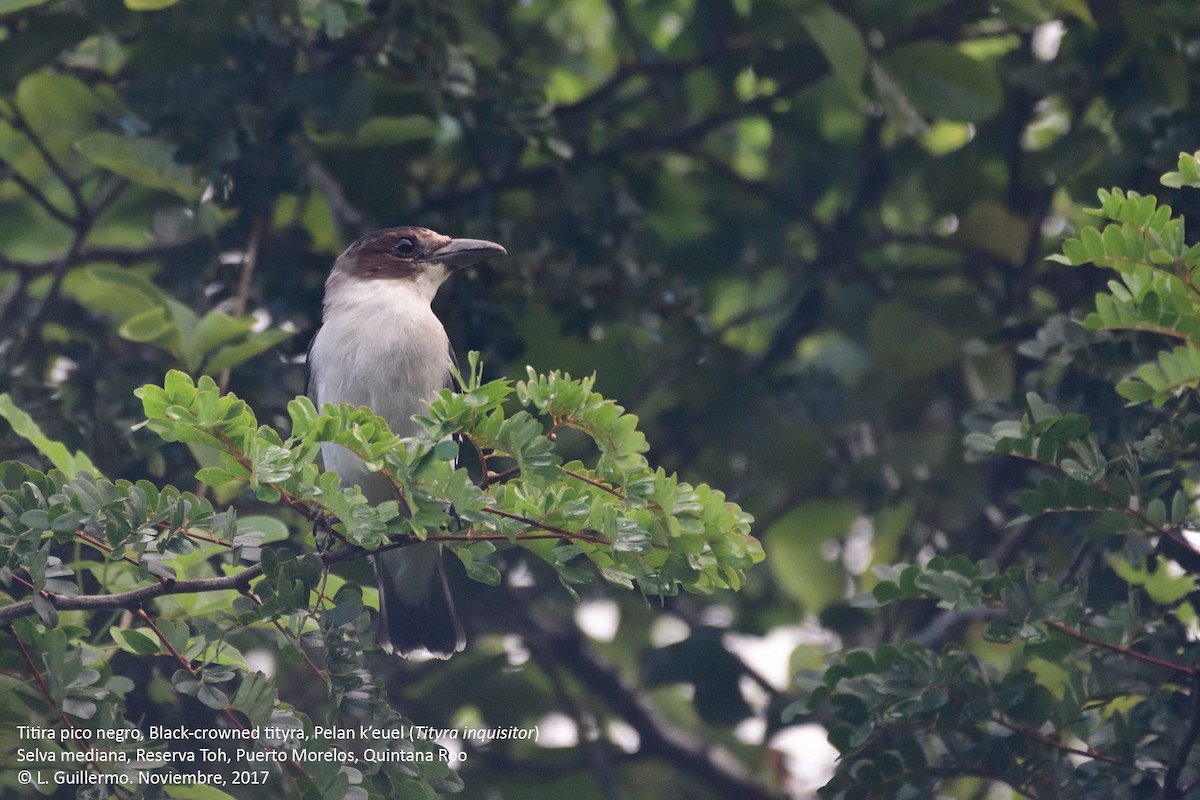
(32, 330)
(81, 226)
(323, 180)
(491, 478)
(592, 482)
(19, 123)
(13, 296)
(144, 617)
(35, 194)
(245, 281)
(1053, 743)
(136, 598)
(286, 634)
(533, 523)
(625, 73)
(640, 140)
(1125, 651)
(597, 754)
(38, 677)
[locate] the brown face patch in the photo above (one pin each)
(391, 253)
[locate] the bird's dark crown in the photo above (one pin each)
(392, 252)
(411, 252)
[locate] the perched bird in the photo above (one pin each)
(381, 346)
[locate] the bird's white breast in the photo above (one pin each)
(379, 346)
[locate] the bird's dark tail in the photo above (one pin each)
(416, 612)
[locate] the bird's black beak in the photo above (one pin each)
(459, 253)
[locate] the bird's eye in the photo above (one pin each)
(404, 246)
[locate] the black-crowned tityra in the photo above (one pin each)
(381, 346)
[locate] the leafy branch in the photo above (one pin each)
(610, 516)
(892, 708)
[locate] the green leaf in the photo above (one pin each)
(60, 106)
(269, 529)
(256, 697)
(384, 132)
(46, 611)
(149, 5)
(154, 326)
(840, 42)
(136, 642)
(795, 545)
(1135, 391)
(1156, 511)
(944, 83)
(1161, 584)
(24, 426)
(212, 697)
(114, 291)
(910, 342)
(148, 162)
(483, 572)
(255, 344)
(9, 6)
(1188, 174)
(214, 329)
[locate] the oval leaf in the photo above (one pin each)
(943, 83)
(147, 162)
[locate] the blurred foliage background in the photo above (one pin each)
(803, 241)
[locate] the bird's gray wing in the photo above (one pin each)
(451, 383)
(310, 389)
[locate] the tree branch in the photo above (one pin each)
(81, 226)
(258, 230)
(18, 122)
(641, 140)
(123, 256)
(324, 181)
(35, 194)
(1172, 667)
(32, 330)
(597, 755)
(1051, 742)
(690, 753)
(561, 533)
(41, 682)
(135, 598)
(240, 582)
(1171, 788)
(644, 69)
(13, 296)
